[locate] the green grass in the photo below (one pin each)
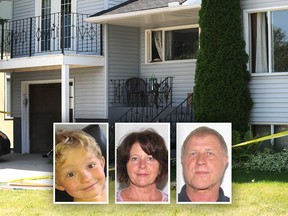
(244, 176)
(261, 197)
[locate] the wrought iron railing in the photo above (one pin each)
(184, 112)
(57, 32)
(158, 92)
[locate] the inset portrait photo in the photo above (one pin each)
(80, 163)
(204, 171)
(142, 163)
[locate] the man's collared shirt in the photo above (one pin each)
(183, 197)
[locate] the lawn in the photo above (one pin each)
(264, 196)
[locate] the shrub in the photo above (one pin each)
(265, 161)
(243, 153)
(221, 92)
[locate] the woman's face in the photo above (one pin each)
(142, 169)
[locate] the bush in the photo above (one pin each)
(243, 153)
(221, 92)
(265, 161)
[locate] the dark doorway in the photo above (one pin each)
(45, 109)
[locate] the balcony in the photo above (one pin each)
(55, 33)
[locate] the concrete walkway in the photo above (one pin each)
(25, 171)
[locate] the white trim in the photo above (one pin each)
(25, 137)
(51, 61)
(38, 8)
(7, 77)
(265, 9)
(272, 129)
(106, 70)
(269, 74)
(247, 38)
(25, 108)
(148, 44)
(65, 71)
(269, 42)
(175, 27)
(246, 24)
(115, 17)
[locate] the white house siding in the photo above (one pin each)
(23, 9)
(89, 94)
(257, 4)
(268, 91)
(90, 6)
(112, 3)
(122, 53)
(94, 6)
(182, 71)
(270, 97)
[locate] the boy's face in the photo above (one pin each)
(82, 175)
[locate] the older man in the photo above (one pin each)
(204, 157)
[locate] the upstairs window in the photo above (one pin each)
(172, 44)
(269, 41)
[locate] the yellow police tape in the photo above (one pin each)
(5, 112)
(32, 178)
(273, 136)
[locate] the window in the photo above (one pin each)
(281, 142)
(265, 130)
(171, 44)
(46, 24)
(269, 41)
(66, 9)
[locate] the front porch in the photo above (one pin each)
(148, 100)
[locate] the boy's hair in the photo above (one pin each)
(205, 131)
(151, 143)
(75, 139)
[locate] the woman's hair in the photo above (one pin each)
(151, 143)
(73, 139)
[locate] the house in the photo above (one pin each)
(6, 122)
(110, 60)
(57, 68)
(131, 28)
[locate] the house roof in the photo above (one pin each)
(150, 13)
(137, 5)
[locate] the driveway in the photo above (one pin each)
(25, 171)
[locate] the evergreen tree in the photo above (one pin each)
(221, 92)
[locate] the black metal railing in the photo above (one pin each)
(157, 92)
(57, 32)
(184, 112)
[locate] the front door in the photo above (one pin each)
(45, 108)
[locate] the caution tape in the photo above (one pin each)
(32, 178)
(5, 112)
(273, 136)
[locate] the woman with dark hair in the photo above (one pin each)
(142, 162)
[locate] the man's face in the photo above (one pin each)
(203, 162)
(82, 175)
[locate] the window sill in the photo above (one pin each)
(269, 74)
(172, 62)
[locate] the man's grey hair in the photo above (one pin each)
(204, 131)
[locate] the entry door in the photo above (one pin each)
(45, 108)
